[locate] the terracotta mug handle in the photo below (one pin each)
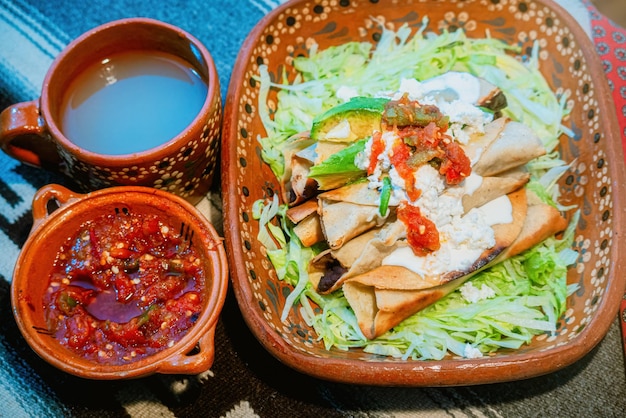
(183, 363)
(23, 136)
(42, 198)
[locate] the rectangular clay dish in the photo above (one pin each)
(594, 183)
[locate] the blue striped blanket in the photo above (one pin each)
(245, 381)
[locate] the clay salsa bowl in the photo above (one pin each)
(52, 227)
(594, 182)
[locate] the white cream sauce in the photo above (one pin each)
(472, 183)
(497, 211)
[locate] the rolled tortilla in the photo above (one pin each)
(331, 268)
(514, 146)
(493, 187)
(358, 193)
(479, 142)
(298, 213)
(378, 308)
(347, 212)
(309, 230)
(490, 96)
(383, 297)
(295, 183)
(542, 221)
(307, 224)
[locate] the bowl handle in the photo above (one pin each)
(43, 196)
(183, 363)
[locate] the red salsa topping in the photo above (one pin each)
(400, 156)
(123, 287)
(378, 146)
(421, 130)
(422, 234)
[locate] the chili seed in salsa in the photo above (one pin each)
(124, 287)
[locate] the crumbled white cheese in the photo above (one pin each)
(471, 352)
(434, 204)
(398, 188)
(410, 86)
(472, 294)
(462, 237)
(471, 231)
(426, 178)
(345, 93)
(362, 159)
(465, 118)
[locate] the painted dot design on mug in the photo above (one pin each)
(183, 173)
(519, 23)
(86, 176)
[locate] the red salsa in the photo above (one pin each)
(422, 233)
(123, 287)
(422, 129)
(422, 139)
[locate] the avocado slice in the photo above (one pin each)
(349, 121)
(339, 168)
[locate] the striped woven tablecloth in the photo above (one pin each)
(245, 380)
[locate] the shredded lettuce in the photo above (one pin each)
(530, 296)
(530, 288)
(357, 67)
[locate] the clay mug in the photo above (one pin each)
(51, 132)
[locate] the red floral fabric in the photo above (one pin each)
(610, 42)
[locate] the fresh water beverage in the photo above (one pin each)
(131, 101)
